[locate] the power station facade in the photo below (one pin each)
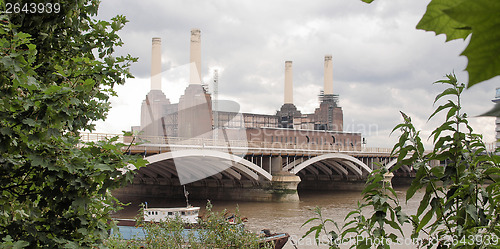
(195, 116)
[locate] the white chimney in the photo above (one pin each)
(156, 64)
(328, 88)
(288, 83)
(195, 57)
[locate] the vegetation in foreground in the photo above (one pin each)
(57, 72)
(460, 207)
(213, 231)
(461, 204)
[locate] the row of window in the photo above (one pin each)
(171, 213)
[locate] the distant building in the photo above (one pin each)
(193, 116)
(497, 100)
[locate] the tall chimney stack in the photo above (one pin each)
(156, 64)
(195, 57)
(288, 83)
(328, 88)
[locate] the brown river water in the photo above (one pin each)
(286, 217)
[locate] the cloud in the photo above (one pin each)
(382, 64)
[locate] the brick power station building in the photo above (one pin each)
(198, 115)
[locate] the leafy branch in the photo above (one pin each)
(457, 19)
(461, 204)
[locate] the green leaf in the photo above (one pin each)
(30, 122)
(415, 184)
(363, 244)
(425, 201)
(401, 216)
(370, 187)
(312, 219)
(448, 91)
(350, 230)
(449, 104)
(452, 112)
(483, 51)
(394, 225)
(427, 217)
(20, 244)
(472, 211)
(438, 21)
(350, 214)
(36, 160)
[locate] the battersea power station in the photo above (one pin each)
(209, 147)
(200, 115)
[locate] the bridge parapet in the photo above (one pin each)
(159, 144)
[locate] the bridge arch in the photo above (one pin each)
(339, 160)
(231, 164)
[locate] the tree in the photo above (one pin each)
(457, 19)
(460, 207)
(461, 204)
(57, 72)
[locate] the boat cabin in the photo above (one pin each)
(187, 214)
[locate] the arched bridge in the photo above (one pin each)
(194, 165)
(266, 168)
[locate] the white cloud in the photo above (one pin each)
(382, 64)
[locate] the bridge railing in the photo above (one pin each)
(235, 144)
(212, 143)
(219, 143)
(94, 137)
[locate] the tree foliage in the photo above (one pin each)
(460, 179)
(457, 19)
(460, 207)
(461, 201)
(57, 73)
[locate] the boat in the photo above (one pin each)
(278, 239)
(188, 215)
(130, 229)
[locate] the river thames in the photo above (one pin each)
(285, 217)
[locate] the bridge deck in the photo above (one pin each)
(155, 145)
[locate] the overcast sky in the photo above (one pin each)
(382, 63)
